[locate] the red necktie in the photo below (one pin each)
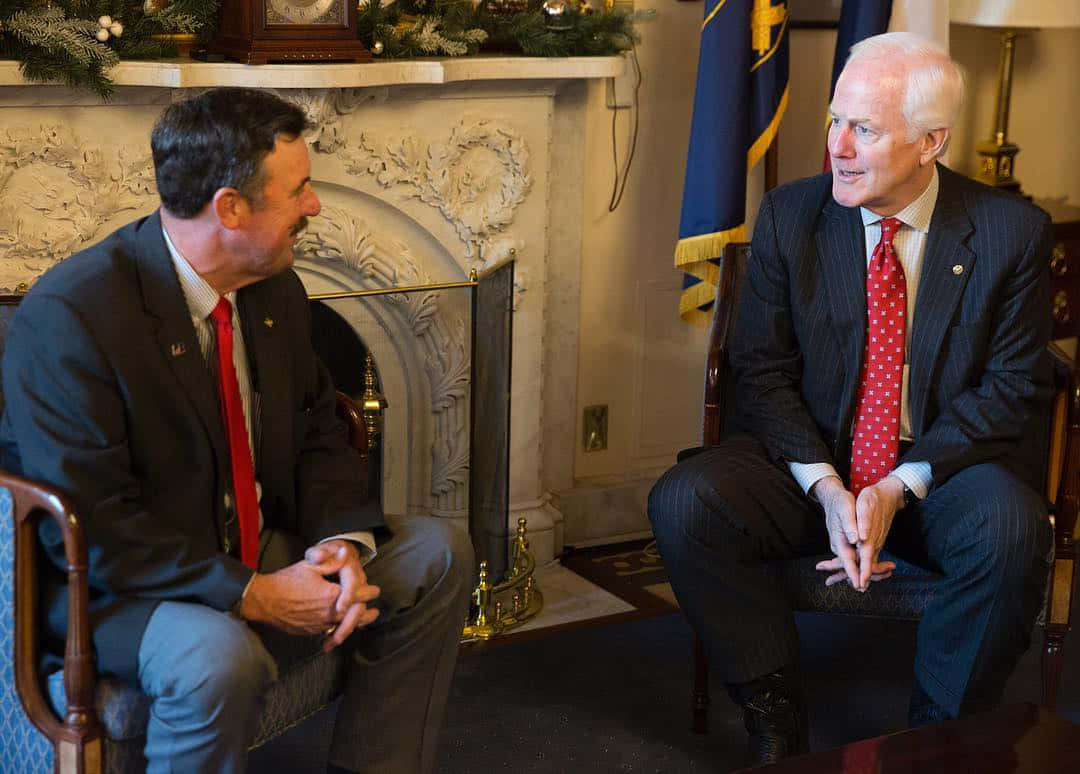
(877, 408)
(232, 411)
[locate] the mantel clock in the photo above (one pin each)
(261, 31)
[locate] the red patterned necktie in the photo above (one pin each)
(232, 411)
(877, 408)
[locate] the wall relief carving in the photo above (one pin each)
(476, 178)
(380, 261)
(56, 193)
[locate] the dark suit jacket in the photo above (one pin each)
(978, 374)
(108, 398)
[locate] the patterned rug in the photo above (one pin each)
(632, 571)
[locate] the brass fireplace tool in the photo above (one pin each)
(489, 614)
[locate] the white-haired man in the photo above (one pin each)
(891, 384)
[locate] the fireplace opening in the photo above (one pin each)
(344, 354)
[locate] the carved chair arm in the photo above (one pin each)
(349, 413)
(1067, 503)
(716, 361)
(77, 738)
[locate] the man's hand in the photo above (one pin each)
(300, 600)
(874, 512)
(845, 522)
(350, 607)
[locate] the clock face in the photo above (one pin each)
(289, 12)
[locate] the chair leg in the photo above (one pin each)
(1053, 662)
(701, 687)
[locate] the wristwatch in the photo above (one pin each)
(909, 496)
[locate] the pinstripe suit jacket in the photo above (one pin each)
(978, 377)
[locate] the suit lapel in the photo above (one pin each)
(266, 344)
(842, 257)
(941, 285)
(164, 303)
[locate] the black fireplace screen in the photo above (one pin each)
(489, 446)
(491, 304)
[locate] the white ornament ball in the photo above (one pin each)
(102, 34)
(116, 28)
(377, 47)
(104, 22)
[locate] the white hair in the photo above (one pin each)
(935, 83)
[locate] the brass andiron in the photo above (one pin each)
(489, 613)
(373, 403)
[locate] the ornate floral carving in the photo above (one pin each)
(57, 191)
(377, 262)
(325, 108)
(477, 179)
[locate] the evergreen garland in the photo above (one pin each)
(56, 41)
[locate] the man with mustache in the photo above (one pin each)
(164, 378)
(891, 389)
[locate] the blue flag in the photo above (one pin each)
(858, 19)
(742, 90)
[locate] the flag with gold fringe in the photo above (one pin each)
(741, 94)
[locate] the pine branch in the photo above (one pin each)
(48, 29)
(42, 67)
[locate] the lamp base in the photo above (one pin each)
(996, 164)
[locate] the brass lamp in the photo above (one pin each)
(996, 154)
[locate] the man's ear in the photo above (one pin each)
(230, 207)
(933, 143)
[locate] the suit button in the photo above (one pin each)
(228, 501)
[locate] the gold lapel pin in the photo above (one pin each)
(268, 322)
(957, 269)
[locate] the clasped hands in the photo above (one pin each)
(302, 599)
(857, 529)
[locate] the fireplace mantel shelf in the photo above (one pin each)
(185, 73)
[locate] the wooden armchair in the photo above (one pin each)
(906, 593)
(73, 721)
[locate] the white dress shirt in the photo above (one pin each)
(910, 246)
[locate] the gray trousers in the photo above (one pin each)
(719, 514)
(206, 671)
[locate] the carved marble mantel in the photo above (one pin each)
(426, 169)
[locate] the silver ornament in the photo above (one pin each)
(377, 47)
(556, 14)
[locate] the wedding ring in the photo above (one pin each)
(330, 631)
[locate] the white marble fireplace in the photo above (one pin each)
(426, 170)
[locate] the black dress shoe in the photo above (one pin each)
(923, 710)
(774, 713)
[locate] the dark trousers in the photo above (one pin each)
(719, 514)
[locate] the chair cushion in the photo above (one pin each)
(301, 690)
(122, 709)
(904, 595)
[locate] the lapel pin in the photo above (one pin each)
(177, 349)
(268, 322)
(957, 269)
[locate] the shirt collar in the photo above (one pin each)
(200, 297)
(917, 214)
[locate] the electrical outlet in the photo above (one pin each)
(594, 436)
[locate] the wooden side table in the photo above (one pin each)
(1018, 739)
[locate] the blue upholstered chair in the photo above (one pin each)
(906, 593)
(76, 721)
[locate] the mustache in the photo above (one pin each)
(300, 226)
